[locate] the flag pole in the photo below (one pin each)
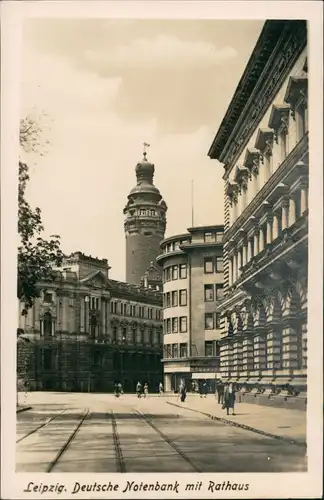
(192, 203)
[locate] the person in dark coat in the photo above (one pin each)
(204, 390)
(183, 392)
(229, 398)
(220, 392)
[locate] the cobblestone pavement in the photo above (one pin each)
(66, 432)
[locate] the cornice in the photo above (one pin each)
(276, 51)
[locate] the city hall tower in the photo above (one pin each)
(145, 222)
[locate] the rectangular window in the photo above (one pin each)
(219, 237)
(174, 325)
(183, 350)
(183, 297)
(183, 271)
(183, 324)
(208, 265)
(209, 237)
(166, 351)
(217, 348)
(219, 292)
(209, 293)
(168, 273)
(209, 321)
(176, 245)
(219, 265)
(174, 272)
(175, 351)
(168, 299)
(48, 297)
(174, 298)
(218, 320)
(209, 348)
(168, 325)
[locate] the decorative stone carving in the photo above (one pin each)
(264, 142)
(279, 119)
(296, 90)
(231, 191)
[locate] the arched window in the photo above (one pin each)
(47, 324)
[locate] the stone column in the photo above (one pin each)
(259, 352)
(303, 200)
(269, 230)
(234, 268)
(274, 349)
(239, 262)
(292, 212)
(247, 354)
(256, 242)
(103, 315)
(230, 271)
(82, 314)
(249, 250)
(275, 227)
(261, 240)
(167, 382)
(291, 358)
(244, 254)
(284, 215)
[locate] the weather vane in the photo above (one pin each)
(146, 145)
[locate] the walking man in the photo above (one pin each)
(220, 392)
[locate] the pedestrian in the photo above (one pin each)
(220, 391)
(161, 390)
(204, 390)
(229, 398)
(139, 389)
(120, 389)
(182, 392)
(145, 390)
(116, 390)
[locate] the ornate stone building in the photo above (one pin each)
(192, 286)
(145, 222)
(86, 331)
(263, 144)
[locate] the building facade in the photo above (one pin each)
(145, 223)
(85, 331)
(263, 144)
(192, 266)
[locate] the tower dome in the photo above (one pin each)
(144, 169)
(145, 222)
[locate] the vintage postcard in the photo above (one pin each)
(161, 258)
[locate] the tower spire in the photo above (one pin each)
(145, 145)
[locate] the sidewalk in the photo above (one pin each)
(276, 422)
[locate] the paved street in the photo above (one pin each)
(65, 432)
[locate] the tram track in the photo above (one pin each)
(44, 424)
(67, 443)
(120, 461)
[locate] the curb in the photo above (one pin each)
(302, 444)
(25, 408)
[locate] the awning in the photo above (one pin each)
(205, 376)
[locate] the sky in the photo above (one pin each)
(100, 88)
